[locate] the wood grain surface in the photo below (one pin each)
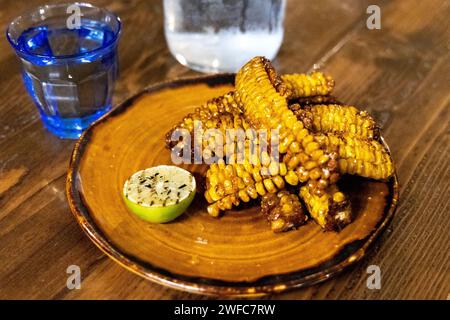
(400, 73)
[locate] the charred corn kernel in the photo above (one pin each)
(208, 197)
(239, 170)
(247, 166)
(322, 184)
(302, 174)
(256, 175)
(274, 168)
(323, 159)
(302, 134)
(213, 210)
(317, 154)
(286, 208)
(279, 182)
(310, 165)
(293, 162)
(334, 178)
(260, 188)
(229, 170)
(212, 194)
(284, 145)
(338, 197)
(291, 178)
(240, 183)
(298, 125)
(277, 224)
(221, 164)
(221, 175)
(213, 180)
(269, 185)
(340, 119)
(228, 186)
(283, 169)
(315, 174)
(251, 191)
(294, 147)
(247, 178)
(264, 171)
(243, 195)
(265, 158)
(254, 159)
(311, 147)
(307, 140)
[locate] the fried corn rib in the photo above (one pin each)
(359, 156)
(283, 211)
(331, 210)
(228, 185)
(337, 119)
(302, 85)
(212, 109)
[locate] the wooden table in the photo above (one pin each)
(400, 73)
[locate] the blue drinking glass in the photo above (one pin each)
(69, 63)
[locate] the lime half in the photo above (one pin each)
(159, 194)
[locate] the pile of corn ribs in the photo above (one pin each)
(319, 140)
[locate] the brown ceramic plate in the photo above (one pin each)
(236, 254)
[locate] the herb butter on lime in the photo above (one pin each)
(159, 194)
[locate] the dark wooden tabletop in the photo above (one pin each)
(400, 73)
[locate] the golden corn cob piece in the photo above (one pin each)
(211, 110)
(230, 135)
(227, 185)
(227, 128)
(363, 157)
(338, 119)
(283, 211)
(331, 210)
(302, 85)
